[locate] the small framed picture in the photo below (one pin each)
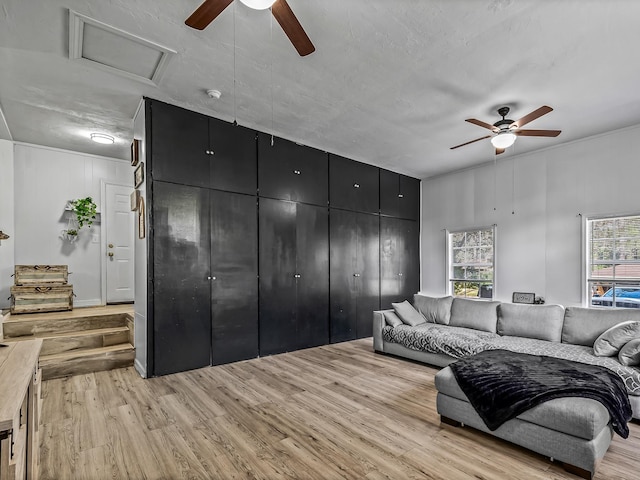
(135, 152)
(520, 297)
(135, 199)
(138, 175)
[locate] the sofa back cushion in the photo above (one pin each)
(583, 325)
(476, 314)
(435, 310)
(543, 322)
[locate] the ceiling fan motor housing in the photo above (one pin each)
(505, 123)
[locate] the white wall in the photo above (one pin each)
(6, 221)
(44, 180)
(538, 246)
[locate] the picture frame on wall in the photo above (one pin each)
(135, 199)
(135, 152)
(138, 175)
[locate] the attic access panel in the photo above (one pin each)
(115, 50)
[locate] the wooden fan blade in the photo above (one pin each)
(482, 124)
(499, 151)
(531, 117)
(206, 13)
(292, 28)
(537, 133)
(472, 141)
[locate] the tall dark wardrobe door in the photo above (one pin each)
(353, 185)
(312, 266)
(179, 144)
(181, 295)
(368, 267)
(399, 260)
(343, 271)
(277, 247)
(234, 282)
(233, 160)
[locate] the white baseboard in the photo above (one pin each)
(139, 368)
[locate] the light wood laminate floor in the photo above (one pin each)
(338, 411)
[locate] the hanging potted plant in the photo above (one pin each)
(85, 210)
(71, 234)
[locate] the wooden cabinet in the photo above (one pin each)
(234, 277)
(181, 287)
(294, 276)
(354, 273)
(289, 171)
(399, 195)
(188, 148)
(19, 412)
(399, 260)
(353, 185)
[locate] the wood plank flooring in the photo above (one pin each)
(332, 412)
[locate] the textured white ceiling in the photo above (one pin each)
(390, 83)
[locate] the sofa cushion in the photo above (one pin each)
(391, 318)
(435, 310)
(408, 314)
(613, 339)
(476, 314)
(582, 326)
(543, 322)
(630, 353)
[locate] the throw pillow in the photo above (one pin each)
(435, 310)
(408, 314)
(612, 340)
(630, 353)
(392, 319)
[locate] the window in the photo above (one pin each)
(613, 261)
(471, 262)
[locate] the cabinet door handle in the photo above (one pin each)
(356, 185)
(399, 274)
(211, 278)
(297, 172)
(356, 274)
(297, 275)
(400, 195)
(209, 152)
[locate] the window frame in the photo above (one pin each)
(587, 279)
(449, 264)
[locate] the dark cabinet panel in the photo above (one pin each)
(294, 276)
(233, 157)
(399, 260)
(181, 294)
(234, 277)
(179, 142)
(399, 195)
(355, 278)
(289, 171)
(353, 185)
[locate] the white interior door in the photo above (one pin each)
(119, 237)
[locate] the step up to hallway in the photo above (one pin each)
(76, 342)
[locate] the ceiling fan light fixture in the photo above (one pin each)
(503, 139)
(102, 138)
(258, 4)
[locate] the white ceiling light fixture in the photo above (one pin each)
(503, 139)
(258, 4)
(102, 138)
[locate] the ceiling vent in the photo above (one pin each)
(116, 51)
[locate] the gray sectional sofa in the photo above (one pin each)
(574, 431)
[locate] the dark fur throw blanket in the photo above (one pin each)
(501, 385)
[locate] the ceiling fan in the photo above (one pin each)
(210, 9)
(506, 131)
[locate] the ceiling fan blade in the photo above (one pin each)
(537, 133)
(292, 28)
(472, 141)
(206, 13)
(482, 124)
(531, 117)
(499, 151)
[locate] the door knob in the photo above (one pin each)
(110, 254)
(111, 245)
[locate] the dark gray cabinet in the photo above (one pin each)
(289, 171)
(399, 260)
(353, 185)
(399, 195)
(294, 276)
(181, 288)
(354, 273)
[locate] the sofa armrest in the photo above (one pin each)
(378, 323)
